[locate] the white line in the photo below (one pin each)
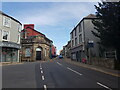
(74, 71)
(41, 68)
(104, 86)
(41, 71)
(43, 78)
(45, 87)
(59, 63)
(40, 65)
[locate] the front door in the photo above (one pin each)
(38, 55)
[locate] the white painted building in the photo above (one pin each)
(10, 29)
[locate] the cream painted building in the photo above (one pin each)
(10, 29)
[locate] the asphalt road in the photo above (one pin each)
(55, 74)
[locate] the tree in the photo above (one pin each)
(107, 25)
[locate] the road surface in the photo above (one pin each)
(55, 74)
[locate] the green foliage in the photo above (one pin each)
(107, 24)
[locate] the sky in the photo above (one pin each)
(54, 19)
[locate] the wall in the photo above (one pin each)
(53, 50)
(102, 62)
(14, 30)
(31, 32)
(88, 27)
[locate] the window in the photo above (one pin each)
(75, 41)
(27, 52)
(80, 38)
(80, 28)
(72, 35)
(6, 21)
(72, 43)
(75, 32)
(5, 35)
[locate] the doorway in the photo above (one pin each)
(38, 54)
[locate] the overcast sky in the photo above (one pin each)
(54, 19)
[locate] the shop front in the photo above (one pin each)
(10, 52)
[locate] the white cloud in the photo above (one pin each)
(55, 14)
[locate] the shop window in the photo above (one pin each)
(6, 21)
(5, 35)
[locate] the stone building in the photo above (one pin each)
(10, 29)
(68, 51)
(35, 45)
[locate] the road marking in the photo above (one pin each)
(41, 71)
(40, 65)
(41, 68)
(45, 87)
(59, 63)
(43, 78)
(74, 71)
(104, 86)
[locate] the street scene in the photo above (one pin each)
(60, 45)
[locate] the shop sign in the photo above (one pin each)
(8, 44)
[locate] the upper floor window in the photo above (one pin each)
(75, 41)
(80, 28)
(72, 35)
(6, 21)
(5, 35)
(80, 38)
(72, 43)
(75, 32)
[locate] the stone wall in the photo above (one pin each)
(103, 62)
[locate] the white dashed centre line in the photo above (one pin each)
(74, 71)
(43, 78)
(45, 87)
(41, 71)
(59, 63)
(104, 86)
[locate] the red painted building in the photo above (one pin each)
(45, 44)
(30, 31)
(53, 51)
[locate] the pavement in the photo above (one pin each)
(10, 63)
(96, 68)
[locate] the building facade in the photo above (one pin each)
(53, 51)
(35, 45)
(83, 42)
(10, 29)
(68, 49)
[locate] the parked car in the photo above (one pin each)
(60, 56)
